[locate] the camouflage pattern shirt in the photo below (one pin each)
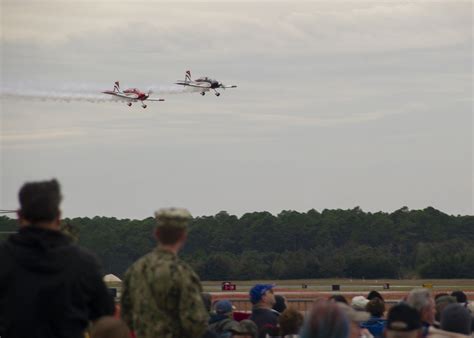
(161, 298)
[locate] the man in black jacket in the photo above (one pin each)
(49, 287)
(263, 299)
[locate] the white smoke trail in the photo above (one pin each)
(173, 89)
(57, 96)
(83, 93)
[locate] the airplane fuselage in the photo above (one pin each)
(214, 84)
(140, 95)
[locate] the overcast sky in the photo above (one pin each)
(339, 104)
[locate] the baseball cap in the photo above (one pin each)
(359, 303)
(173, 217)
(258, 291)
(402, 317)
(223, 306)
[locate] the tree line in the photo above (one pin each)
(291, 245)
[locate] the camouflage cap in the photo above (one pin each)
(175, 217)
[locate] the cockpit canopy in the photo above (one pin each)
(206, 79)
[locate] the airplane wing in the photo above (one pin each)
(124, 96)
(155, 99)
(233, 86)
(194, 84)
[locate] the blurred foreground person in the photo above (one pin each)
(423, 302)
(49, 287)
(441, 302)
(290, 322)
(162, 294)
(326, 320)
(455, 323)
(356, 318)
(403, 321)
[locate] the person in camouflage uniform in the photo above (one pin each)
(162, 294)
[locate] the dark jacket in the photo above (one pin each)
(221, 325)
(49, 287)
(265, 319)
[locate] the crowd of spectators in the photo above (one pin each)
(50, 287)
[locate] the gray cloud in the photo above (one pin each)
(339, 104)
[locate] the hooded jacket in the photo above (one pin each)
(49, 287)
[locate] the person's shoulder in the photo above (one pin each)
(143, 263)
(5, 253)
(3, 247)
(84, 255)
(186, 270)
(438, 333)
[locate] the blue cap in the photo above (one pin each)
(223, 306)
(258, 291)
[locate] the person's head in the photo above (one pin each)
(359, 303)
(338, 299)
(441, 302)
(456, 318)
(290, 322)
(39, 204)
(224, 307)
(376, 307)
(245, 329)
(374, 294)
(262, 294)
(439, 295)
(207, 300)
(460, 296)
(422, 301)
(109, 327)
(325, 320)
(403, 321)
(171, 226)
(280, 303)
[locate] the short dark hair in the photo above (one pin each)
(279, 305)
(290, 321)
(169, 235)
(339, 299)
(39, 201)
(374, 294)
(460, 296)
(376, 307)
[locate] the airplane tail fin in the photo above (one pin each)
(187, 76)
(117, 87)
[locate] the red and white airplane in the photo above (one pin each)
(204, 83)
(131, 95)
